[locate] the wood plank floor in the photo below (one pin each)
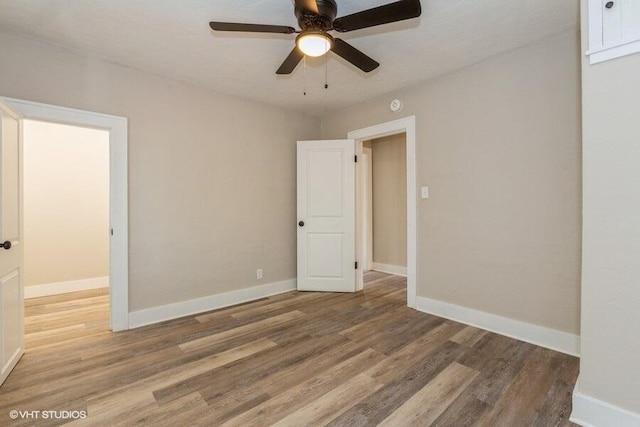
(289, 360)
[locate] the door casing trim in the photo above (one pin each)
(407, 126)
(118, 192)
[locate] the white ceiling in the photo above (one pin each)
(172, 38)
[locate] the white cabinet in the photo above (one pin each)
(614, 29)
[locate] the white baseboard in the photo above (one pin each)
(152, 315)
(388, 268)
(57, 288)
(590, 412)
(545, 337)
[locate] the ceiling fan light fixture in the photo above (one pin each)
(314, 43)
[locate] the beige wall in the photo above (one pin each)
(498, 144)
(211, 177)
(610, 354)
(66, 203)
(390, 200)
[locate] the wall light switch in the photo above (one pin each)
(425, 192)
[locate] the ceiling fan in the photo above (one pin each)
(316, 18)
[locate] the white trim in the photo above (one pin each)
(408, 126)
(366, 204)
(563, 342)
(612, 52)
(47, 289)
(590, 412)
(388, 268)
(118, 198)
(213, 302)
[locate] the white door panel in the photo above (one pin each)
(326, 215)
(10, 298)
(324, 189)
(10, 218)
(11, 291)
(324, 256)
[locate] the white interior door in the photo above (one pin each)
(11, 291)
(326, 216)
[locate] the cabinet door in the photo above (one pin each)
(630, 20)
(614, 29)
(611, 22)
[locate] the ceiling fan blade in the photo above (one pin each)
(251, 28)
(392, 12)
(291, 62)
(307, 5)
(353, 55)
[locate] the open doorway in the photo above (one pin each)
(406, 127)
(384, 202)
(118, 233)
(66, 221)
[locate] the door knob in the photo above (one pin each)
(301, 224)
(6, 245)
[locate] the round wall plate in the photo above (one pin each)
(396, 105)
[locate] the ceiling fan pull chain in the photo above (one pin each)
(326, 72)
(304, 74)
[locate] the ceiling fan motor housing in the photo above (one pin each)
(323, 20)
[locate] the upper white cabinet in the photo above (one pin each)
(614, 29)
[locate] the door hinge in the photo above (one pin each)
(112, 231)
(355, 158)
(356, 265)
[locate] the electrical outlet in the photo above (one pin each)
(259, 274)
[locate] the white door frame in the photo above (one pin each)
(406, 125)
(118, 193)
(366, 203)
